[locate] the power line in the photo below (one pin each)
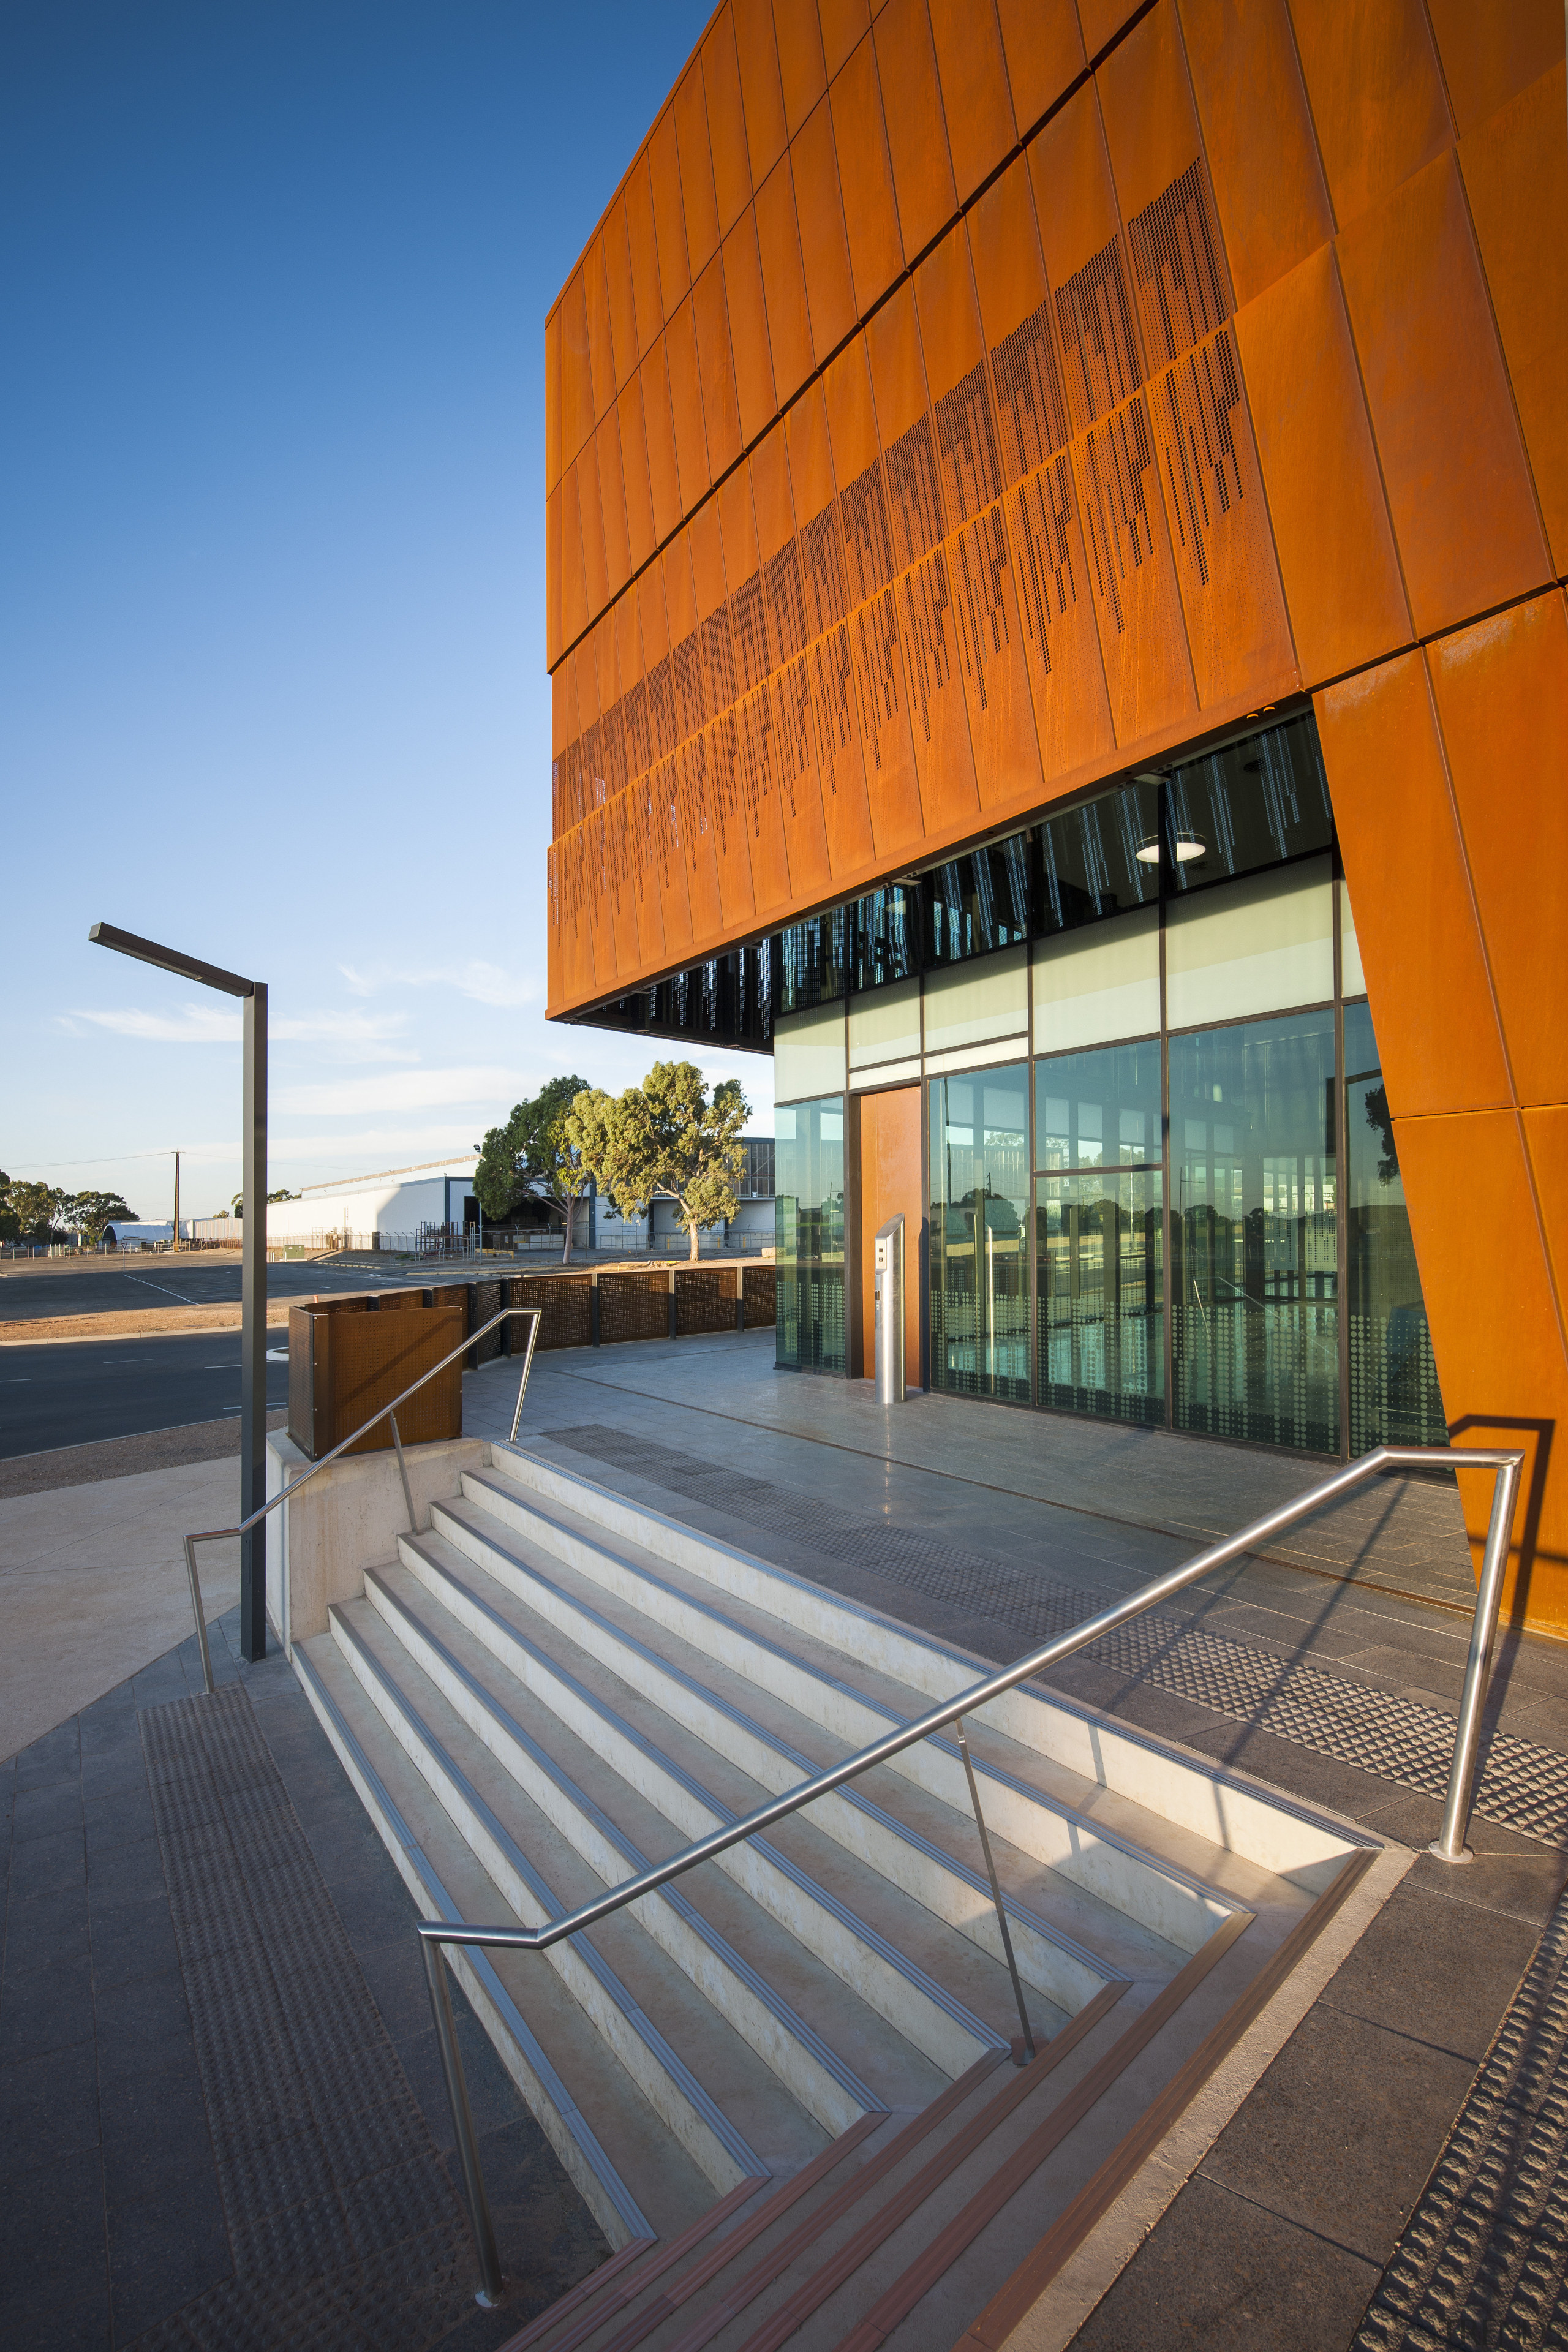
(104, 1160)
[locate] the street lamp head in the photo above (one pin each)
(210, 976)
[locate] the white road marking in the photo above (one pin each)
(183, 1297)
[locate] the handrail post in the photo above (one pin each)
(403, 1473)
(997, 1894)
(493, 2284)
(201, 1618)
(536, 1315)
(1449, 1844)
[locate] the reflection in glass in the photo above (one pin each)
(980, 902)
(979, 1261)
(1101, 1294)
(1100, 1109)
(1254, 803)
(1393, 1394)
(812, 961)
(887, 935)
(1090, 866)
(1253, 1279)
(808, 1229)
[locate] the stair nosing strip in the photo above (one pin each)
(575, 2296)
(908, 1969)
(608, 1977)
(571, 2114)
(889, 1715)
(723, 1949)
(1021, 1911)
(658, 2263)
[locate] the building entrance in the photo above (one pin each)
(887, 1147)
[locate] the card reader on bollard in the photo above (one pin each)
(891, 1312)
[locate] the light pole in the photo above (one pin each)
(253, 1264)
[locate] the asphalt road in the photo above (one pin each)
(184, 1282)
(79, 1389)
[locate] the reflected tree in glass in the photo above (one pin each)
(1394, 1399)
(808, 1230)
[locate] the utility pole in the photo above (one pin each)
(253, 1275)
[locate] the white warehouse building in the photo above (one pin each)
(396, 1204)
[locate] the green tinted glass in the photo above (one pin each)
(979, 1241)
(1097, 1241)
(1100, 1109)
(808, 1228)
(1393, 1394)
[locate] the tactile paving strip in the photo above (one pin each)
(1484, 2257)
(1519, 1785)
(346, 2228)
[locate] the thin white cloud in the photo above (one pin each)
(213, 1024)
(491, 1091)
(195, 1025)
(484, 984)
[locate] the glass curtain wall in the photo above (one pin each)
(1393, 1398)
(1098, 1232)
(979, 1239)
(808, 1212)
(1254, 1239)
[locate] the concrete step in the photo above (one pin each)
(933, 1986)
(1231, 1837)
(700, 2074)
(604, 2132)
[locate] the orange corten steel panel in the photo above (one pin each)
(917, 135)
(762, 94)
(1152, 131)
(675, 908)
(754, 397)
(976, 103)
(1269, 183)
(824, 246)
(1546, 1147)
(643, 245)
(1459, 491)
(721, 411)
(1501, 690)
(613, 504)
(668, 214)
(1425, 968)
(697, 193)
(1330, 522)
(552, 399)
(865, 176)
(1102, 20)
(554, 630)
(1490, 54)
(744, 572)
(1376, 95)
(1515, 176)
(778, 555)
(658, 427)
(623, 301)
(1495, 1332)
(574, 585)
(1075, 210)
(590, 514)
(576, 376)
(640, 540)
(784, 281)
(803, 74)
(601, 342)
(726, 122)
(844, 24)
(1044, 49)
(1017, 323)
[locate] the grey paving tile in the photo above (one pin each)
(54, 2284)
(1230, 2276)
(131, 1941)
(1438, 1969)
(54, 1759)
(1342, 2131)
(143, 2028)
(44, 2008)
(49, 1864)
(128, 1870)
(48, 2108)
(41, 1929)
(161, 2256)
(43, 1809)
(122, 1818)
(155, 2137)
(1519, 1885)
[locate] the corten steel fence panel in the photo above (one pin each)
(634, 1305)
(343, 1366)
(563, 1302)
(704, 1300)
(760, 1294)
(485, 1302)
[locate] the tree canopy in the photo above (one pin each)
(534, 1153)
(42, 1212)
(666, 1136)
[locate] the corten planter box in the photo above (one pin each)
(346, 1356)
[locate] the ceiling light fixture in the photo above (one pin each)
(1187, 849)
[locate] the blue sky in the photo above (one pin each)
(272, 564)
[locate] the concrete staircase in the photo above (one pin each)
(783, 2084)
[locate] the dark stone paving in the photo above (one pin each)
(131, 2206)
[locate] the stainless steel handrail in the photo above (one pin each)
(1449, 1846)
(216, 1535)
